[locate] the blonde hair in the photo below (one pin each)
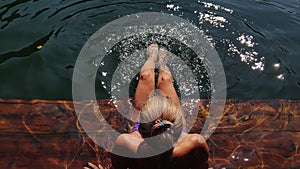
(160, 107)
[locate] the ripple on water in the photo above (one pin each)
(244, 42)
(244, 46)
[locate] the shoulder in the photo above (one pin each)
(190, 143)
(196, 139)
(129, 141)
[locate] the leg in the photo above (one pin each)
(165, 79)
(147, 78)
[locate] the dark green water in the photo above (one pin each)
(257, 41)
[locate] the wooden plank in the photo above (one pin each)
(48, 134)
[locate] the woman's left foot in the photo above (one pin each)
(152, 53)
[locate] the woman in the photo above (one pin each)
(160, 117)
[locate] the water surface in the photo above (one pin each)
(257, 42)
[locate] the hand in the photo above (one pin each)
(93, 166)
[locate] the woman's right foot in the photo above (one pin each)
(163, 57)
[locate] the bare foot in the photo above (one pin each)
(152, 53)
(163, 54)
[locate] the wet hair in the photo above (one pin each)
(163, 109)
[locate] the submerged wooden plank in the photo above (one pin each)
(47, 134)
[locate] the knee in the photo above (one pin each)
(165, 77)
(147, 75)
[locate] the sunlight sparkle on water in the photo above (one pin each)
(276, 65)
(248, 57)
(173, 7)
(281, 77)
(246, 39)
(245, 50)
(242, 47)
(216, 7)
(213, 19)
(104, 73)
